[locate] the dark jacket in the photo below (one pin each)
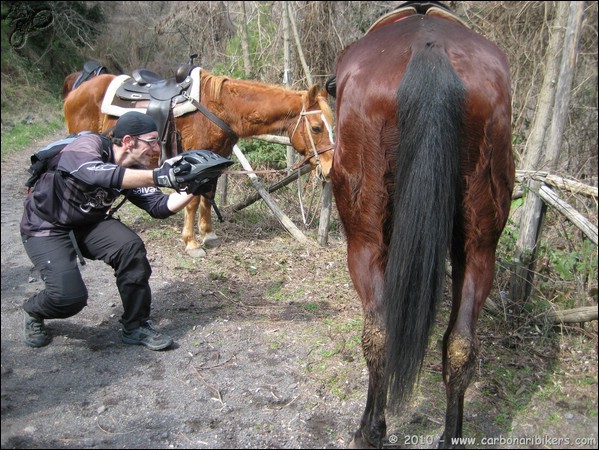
(80, 186)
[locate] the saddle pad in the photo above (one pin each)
(114, 106)
(187, 106)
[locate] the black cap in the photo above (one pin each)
(134, 123)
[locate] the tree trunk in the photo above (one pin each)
(300, 51)
(553, 102)
(245, 42)
(290, 154)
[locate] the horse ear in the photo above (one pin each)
(312, 94)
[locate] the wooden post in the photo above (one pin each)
(554, 101)
(325, 214)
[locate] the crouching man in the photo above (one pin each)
(69, 204)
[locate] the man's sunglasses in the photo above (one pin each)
(150, 141)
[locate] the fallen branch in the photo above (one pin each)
(558, 182)
(576, 315)
(219, 397)
(278, 185)
(283, 219)
(551, 198)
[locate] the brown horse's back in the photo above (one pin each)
(82, 107)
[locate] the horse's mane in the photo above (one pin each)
(324, 107)
(213, 83)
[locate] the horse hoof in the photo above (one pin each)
(211, 242)
(359, 442)
(196, 252)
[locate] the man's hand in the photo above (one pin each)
(194, 172)
(171, 174)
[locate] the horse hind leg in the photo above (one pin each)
(471, 286)
(373, 426)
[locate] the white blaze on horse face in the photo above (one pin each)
(329, 129)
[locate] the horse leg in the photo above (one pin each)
(471, 284)
(192, 247)
(209, 237)
(373, 426)
(369, 285)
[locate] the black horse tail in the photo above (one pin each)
(430, 101)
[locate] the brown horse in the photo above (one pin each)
(423, 169)
(249, 108)
(75, 79)
(68, 83)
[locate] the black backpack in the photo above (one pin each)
(41, 158)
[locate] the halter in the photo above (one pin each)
(316, 152)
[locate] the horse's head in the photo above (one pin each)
(312, 135)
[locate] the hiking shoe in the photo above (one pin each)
(147, 335)
(35, 331)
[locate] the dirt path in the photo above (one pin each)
(267, 355)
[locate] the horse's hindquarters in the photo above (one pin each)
(82, 107)
(423, 162)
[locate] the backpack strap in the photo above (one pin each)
(114, 209)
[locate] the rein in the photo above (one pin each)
(296, 166)
(223, 125)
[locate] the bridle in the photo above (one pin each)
(315, 151)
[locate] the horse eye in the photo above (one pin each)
(316, 129)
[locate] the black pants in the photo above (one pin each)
(65, 293)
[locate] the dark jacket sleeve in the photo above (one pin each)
(150, 199)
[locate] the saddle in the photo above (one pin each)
(161, 94)
(91, 69)
(161, 98)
